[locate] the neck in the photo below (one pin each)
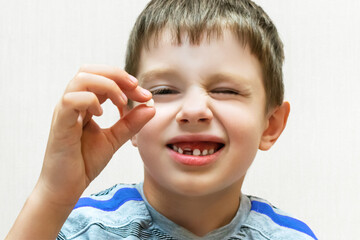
(198, 214)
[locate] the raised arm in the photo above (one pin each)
(78, 149)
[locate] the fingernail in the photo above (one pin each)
(133, 79)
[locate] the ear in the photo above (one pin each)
(276, 123)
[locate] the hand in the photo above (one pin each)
(78, 149)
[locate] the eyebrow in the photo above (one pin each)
(148, 76)
(213, 79)
(229, 77)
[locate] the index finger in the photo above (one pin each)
(124, 80)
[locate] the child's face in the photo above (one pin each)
(208, 98)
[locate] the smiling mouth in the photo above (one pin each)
(196, 148)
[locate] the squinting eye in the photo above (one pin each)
(225, 91)
(163, 91)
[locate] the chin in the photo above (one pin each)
(191, 187)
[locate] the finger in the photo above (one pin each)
(138, 94)
(123, 79)
(129, 125)
(74, 103)
(127, 83)
(99, 85)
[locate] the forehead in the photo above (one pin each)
(214, 54)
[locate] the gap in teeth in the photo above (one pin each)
(195, 152)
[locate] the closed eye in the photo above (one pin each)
(163, 91)
(225, 91)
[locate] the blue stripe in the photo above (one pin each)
(120, 197)
(281, 220)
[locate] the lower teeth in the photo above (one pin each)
(195, 152)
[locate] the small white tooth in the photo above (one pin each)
(205, 152)
(196, 152)
(175, 148)
(150, 103)
(211, 151)
(180, 151)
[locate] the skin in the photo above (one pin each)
(213, 89)
(79, 149)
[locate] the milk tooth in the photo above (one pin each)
(149, 103)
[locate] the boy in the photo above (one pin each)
(214, 71)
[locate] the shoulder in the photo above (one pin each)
(120, 208)
(272, 223)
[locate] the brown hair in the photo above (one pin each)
(199, 18)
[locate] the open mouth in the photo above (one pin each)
(201, 148)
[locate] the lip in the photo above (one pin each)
(191, 160)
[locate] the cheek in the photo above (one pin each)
(153, 132)
(242, 122)
(151, 141)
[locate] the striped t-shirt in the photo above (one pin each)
(122, 212)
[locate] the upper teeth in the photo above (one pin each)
(195, 152)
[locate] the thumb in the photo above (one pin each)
(130, 124)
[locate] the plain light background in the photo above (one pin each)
(312, 171)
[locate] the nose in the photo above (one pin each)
(195, 109)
